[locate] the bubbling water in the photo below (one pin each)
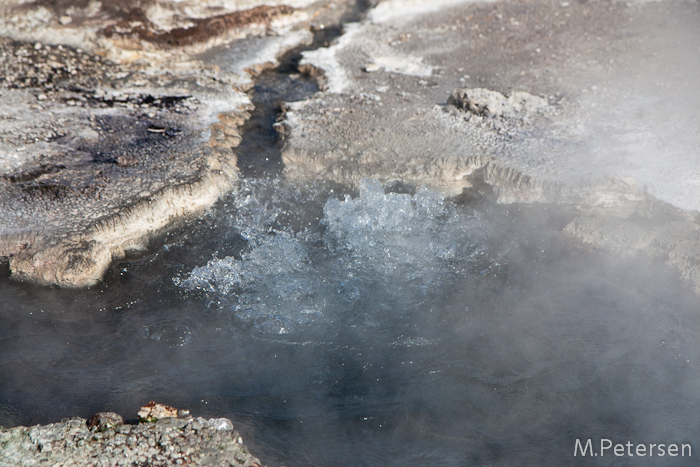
(376, 328)
(404, 248)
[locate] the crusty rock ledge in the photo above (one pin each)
(105, 441)
(120, 120)
(81, 259)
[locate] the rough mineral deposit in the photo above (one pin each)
(105, 440)
(117, 120)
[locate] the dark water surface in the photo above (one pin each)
(383, 329)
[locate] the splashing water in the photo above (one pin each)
(381, 328)
(403, 248)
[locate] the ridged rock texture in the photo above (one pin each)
(119, 120)
(542, 101)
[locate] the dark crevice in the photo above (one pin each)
(259, 153)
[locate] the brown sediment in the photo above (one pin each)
(203, 29)
(121, 8)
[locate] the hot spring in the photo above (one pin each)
(389, 326)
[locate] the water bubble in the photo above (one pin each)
(367, 259)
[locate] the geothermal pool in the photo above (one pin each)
(389, 326)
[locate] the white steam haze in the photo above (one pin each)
(638, 106)
(422, 331)
(417, 314)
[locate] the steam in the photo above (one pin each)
(639, 115)
(378, 328)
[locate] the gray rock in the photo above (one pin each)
(169, 441)
(614, 135)
(489, 103)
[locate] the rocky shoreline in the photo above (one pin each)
(105, 440)
(540, 102)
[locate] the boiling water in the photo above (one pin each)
(370, 328)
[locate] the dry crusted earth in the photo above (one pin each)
(118, 119)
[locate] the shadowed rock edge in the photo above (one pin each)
(81, 259)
